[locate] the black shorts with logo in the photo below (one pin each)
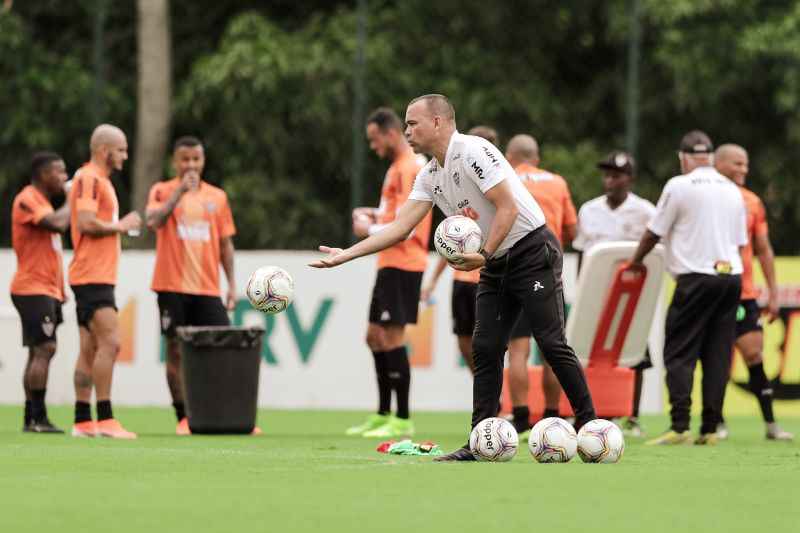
(40, 316)
(395, 297)
(177, 309)
(752, 318)
(463, 306)
(91, 297)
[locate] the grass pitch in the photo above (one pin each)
(304, 475)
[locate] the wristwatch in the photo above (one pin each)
(485, 254)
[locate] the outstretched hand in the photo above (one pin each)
(335, 257)
(467, 262)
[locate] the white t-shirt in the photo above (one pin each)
(702, 219)
(472, 166)
(597, 222)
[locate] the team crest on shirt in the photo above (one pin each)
(48, 327)
(457, 178)
(211, 207)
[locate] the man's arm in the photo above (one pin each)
(158, 216)
(766, 257)
(89, 224)
(226, 258)
(57, 220)
(568, 233)
(646, 244)
(408, 216)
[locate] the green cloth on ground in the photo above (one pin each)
(406, 447)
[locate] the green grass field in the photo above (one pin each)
(304, 475)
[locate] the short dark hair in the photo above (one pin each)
(487, 132)
(188, 141)
(696, 142)
(386, 119)
(41, 161)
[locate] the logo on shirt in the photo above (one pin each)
(211, 207)
(457, 178)
(478, 170)
(48, 327)
(537, 286)
(463, 203)
(437, 190)
(456, 157)
(490, 155)
(195, 231)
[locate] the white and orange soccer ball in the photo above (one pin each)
(494, 440)
(270, 289)
(553, 440)
(457, 235)
(600, 441)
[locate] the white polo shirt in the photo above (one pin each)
(702, 219)
(597, 222)
(472, 166)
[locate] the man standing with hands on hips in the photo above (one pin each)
(521, 258)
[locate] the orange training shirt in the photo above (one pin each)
(756, 225)
(39, 262)
(187, 245)
(552, 194)
(411, 254)
(96, 258)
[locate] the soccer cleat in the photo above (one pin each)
(395, 427)
(774, 432)
(372, 422)
(671, 437)
(461, 454)
(182, 428)
(722, 431)
(84, 429)
(707, 439)
(632, 428)
(112, 429)
(42, 426)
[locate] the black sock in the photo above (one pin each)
(180, 410)
(104, 411)
(399, 372)
(637, 392)
(384, 384)
(27, 412)
(522, 418)
(549, 413)
(83, 412)
(38, 412)
(761, 387)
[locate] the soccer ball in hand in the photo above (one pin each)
(600, 441)
(494, 440)
(457, 235)
(553, 440)
(270, 289)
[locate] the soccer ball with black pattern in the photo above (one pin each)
(553, 440)
(270, 289)
(494, 440)
(600, 441)
(457, 235)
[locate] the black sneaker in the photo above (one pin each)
(42, 426)
(461, 454)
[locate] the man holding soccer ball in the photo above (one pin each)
(521, 259)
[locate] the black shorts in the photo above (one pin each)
(176, 309)
(40, 316)
(463, 307)
(91, 297)
(752, 318)
(395, 298)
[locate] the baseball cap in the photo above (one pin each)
(619, 161)
(696, 142)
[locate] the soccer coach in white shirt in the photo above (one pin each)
(521, 258)
(702, 218)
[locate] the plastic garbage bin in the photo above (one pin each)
(220, 367)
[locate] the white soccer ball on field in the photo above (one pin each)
(270, 289)
(457, 235)
(600, 441)
(494, 440)
(553, 440)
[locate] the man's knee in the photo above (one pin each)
(374, 338)
(44, 351)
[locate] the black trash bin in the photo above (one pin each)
(220, 367)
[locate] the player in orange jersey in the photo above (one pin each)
(465, 283)
(552, 194)
(37, 289)
(95, 230)
(194, 236)
(731, 160)
(395, 297)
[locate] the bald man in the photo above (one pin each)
(95, 227)
(551, 192)
(731, 161)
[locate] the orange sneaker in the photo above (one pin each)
(84, 429)
(256, 431)
(183, 427)
(113, 429)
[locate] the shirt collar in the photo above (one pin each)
(449, 149)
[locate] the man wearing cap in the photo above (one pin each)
(701, 217)
(618, 215)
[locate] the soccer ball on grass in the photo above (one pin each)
(553, 440)
(494, 440)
